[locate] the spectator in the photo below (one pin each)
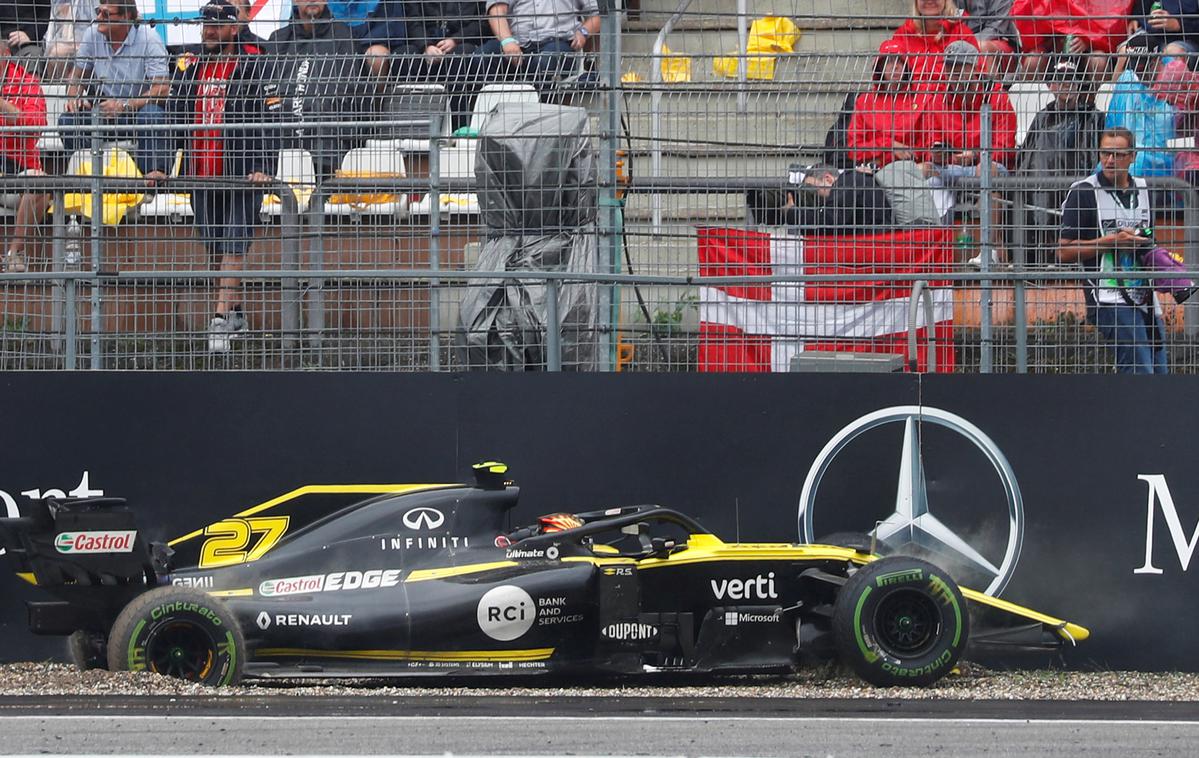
(320, 77)
(21, 104)
(1166, 21)
(1178, 84)
(537, 39)
(223, 82)
(442, 39)
(22, 24)
(1099, 221)
(828, 201)
(244, 34)
(64, 29)
(886, 116)
(1061, 141)
(1086, 29)
(836, 139)
(923, 37)
(998, 40)
(377, 27)
(124, 65)
(1134, 106)
(952, 120)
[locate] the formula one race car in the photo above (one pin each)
(425, 579)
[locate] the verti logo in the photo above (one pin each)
(95, 542)
(758, 588)
(423, 517)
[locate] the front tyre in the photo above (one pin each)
(900, 621)
(179, 632)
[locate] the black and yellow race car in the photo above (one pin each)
(426, 579)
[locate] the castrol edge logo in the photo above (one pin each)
(339, 580)
(95, 542)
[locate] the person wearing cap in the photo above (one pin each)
(1061, 141)
(536, 40)
(222, 87)
(933, 26)
(122, 65)
(952, 119)
(1134, 106)
(1102, 222)
(885, 117)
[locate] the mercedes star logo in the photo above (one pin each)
(912, 522)
(264, 620)
(423, 517)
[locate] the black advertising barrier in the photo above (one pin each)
(1052, 486)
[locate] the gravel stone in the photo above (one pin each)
(968, 682)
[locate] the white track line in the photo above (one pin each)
(623, 719)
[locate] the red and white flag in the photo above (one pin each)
(761, 327)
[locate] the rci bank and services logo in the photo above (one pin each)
(913, 522)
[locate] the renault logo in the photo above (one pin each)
(264, 620)
(423, 517)
(912, 521)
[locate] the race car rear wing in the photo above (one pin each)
(87, 552)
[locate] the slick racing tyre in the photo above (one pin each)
(87, 650)
(179, 632)
(900, 621)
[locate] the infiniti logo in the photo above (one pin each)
(912, 521)
(423, 517)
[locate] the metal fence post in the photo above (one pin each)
(58, 286)
(1190, 218)
(289, 260)
(609, 203)
(742, 55)
(1019, 258)
(985, 250)
(435, 242)
(97, 320)
(553, 339)
(314, 234)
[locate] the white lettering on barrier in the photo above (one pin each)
(1159, 492)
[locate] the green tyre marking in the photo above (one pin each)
(867, 653)
(131, 651)
(940, 584)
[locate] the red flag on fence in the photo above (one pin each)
(761, 327)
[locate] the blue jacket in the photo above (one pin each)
(1151, 120)
(373, 22)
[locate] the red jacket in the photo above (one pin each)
(879, 121)
(924, 50)
(956, 121)
(24, 90)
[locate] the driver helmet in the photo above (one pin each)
(559, 522)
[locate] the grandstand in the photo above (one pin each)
(682, 123)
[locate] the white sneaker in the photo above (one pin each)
(219, 336)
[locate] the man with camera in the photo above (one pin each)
(1106, 227)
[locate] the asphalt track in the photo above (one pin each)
(553, 725)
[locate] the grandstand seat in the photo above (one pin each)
(1028, 98)
(413, 108)
(296, 169)
(56, 104)
(116, 161)
(492, 95)
(456, 162)
(173, 205)
(373, 162)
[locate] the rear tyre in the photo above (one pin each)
(179, 632)
(87, 650)
(900, 621)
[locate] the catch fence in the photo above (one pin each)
(639, 211)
